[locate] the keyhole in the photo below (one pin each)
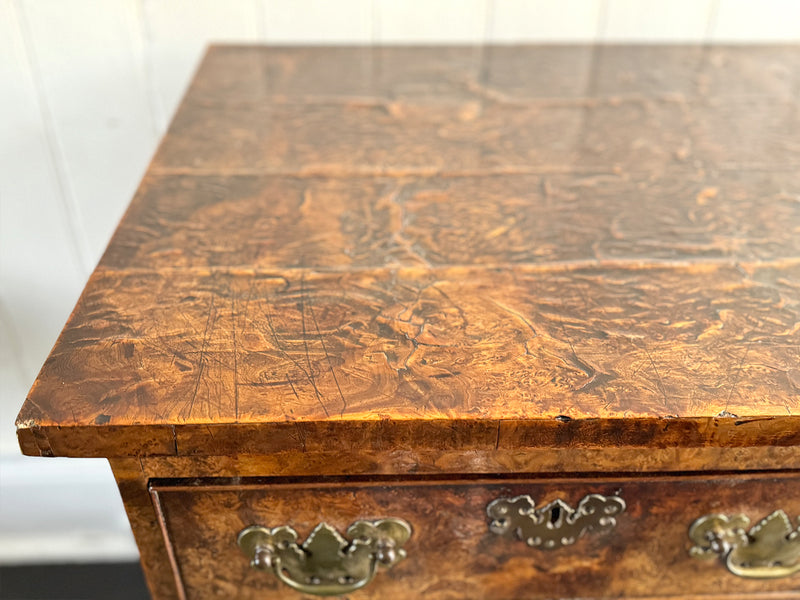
(555, 513)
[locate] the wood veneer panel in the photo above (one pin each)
(453, 555)
(374, 139)
(582, 353)
(344, 111)
(392, 461)
(154, 557)
(268, 222)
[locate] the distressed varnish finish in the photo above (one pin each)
(438, 263)
(438, 236)
(416, 345)
(341, 224)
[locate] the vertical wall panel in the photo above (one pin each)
(757, 21)
(426, 21)
(177, 32)
(13, 385)
(544, 20)
(41, 273)
(51, 509)
(656, 20)
(95, 90)
(318, 21)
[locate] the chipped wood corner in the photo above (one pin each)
(32, 441)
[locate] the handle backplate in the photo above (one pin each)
(326, 564)
(770, 549)
(555, 525)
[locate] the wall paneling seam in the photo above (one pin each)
(76, 232)
(155, 102)
(711, 23)
(15, 342)
(143, 65)
(260, 9)
(602, 21)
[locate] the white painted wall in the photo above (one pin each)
(86, 90)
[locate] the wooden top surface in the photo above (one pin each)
(492, 247)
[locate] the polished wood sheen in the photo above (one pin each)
(441, 274)
(411, 244)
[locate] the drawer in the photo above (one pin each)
(453, 554)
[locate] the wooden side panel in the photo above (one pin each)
(453, 555)
(154, 557)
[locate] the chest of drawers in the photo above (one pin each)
(500, 322)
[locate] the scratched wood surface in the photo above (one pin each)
(451, 248)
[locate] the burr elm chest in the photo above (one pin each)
(497, 322)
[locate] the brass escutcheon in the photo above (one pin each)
(556, 524)
(769, 550)
(326, 564)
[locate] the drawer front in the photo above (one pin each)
(452, 553)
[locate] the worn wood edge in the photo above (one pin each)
(355, 435)
(465, 270)
(336, 172)
(488, 462)
(99, 441)
(243, 484)
(168, 544)
(29, 445)
(749, 596)
(34, 412)
(133, 487)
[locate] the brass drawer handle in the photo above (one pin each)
(769, 550)
(326, 564)
(556, 524)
